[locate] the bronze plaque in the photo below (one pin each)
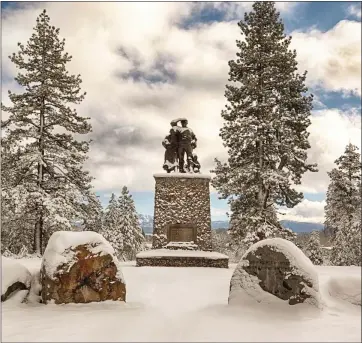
(181, 233)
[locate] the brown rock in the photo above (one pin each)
(17, 286)
(85, 294)
(91, 277)
(282, 270)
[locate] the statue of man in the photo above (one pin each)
(180, 141)
(170, 144)
(186, 143)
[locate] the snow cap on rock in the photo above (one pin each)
(62, 243)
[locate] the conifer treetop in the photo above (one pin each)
(43, 157)
(265, 125)
(42, 72)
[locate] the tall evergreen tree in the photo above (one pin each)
(265, 128)
(93, 220)
(130, 227)
(44, 160)
(343, 208)
(111, 229)
(313, 248)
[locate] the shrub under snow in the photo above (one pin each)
(14, 277)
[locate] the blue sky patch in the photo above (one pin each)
(145, 202)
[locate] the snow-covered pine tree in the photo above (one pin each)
(17, 222)
(330, 210)
(93, 209)
(265, 128)
(313, 248)
(44, 161)
(130, 227)
(111, 226)
(343, 208)
(16, 219)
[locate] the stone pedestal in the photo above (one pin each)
(182, 210)
(181, 258)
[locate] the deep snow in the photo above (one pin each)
(12, 272)
(183, 304)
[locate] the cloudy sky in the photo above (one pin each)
(144, 64)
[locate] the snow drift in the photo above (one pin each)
(14, 277)
(346, 289)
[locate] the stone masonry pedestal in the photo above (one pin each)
(182, 210)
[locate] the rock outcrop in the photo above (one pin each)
(278, 267)
(80, 267)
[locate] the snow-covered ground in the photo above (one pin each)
(183, 304)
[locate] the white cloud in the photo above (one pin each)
(306, 211)
(354, 10)
(332, 58)
(130, 118)
(95, 34)
(330, 132)
(218, 212)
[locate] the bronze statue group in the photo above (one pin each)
(179, 142)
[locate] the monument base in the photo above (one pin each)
(181, 258)
(182, 210)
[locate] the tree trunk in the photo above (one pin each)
(261, 193)
(38, 237)
(260, 138)
(40, 220)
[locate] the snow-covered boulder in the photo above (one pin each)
(14, 277)
(274, 267)
(80, 267)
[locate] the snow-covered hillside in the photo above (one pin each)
(182, 304)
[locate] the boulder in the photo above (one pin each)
(80, 267)
(278, 267)
(14, 277)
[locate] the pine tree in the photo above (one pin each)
(343, 208)
(111, 230)
(93, 220)
(313, 248)
(44, 164)
(130, 227)
(265, 128)
(331, 208)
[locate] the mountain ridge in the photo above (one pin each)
(146, 222)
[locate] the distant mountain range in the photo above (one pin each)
(146, 222)
(302, 227)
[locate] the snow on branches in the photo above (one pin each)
(343, 208)
(42, 160)
(265, 128)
